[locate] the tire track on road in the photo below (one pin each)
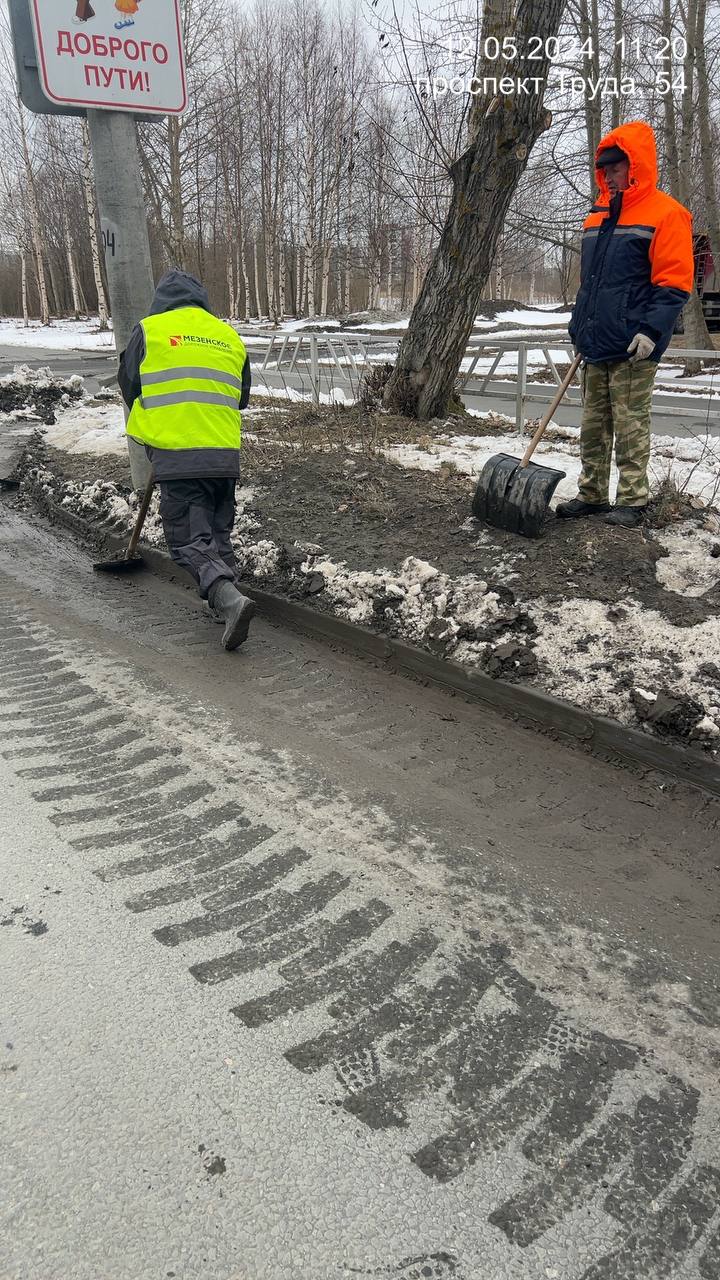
(414, 1018)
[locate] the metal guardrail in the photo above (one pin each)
(339, 361)
(322, 364)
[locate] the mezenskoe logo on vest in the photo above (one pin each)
(177, 340)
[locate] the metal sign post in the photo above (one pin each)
(123, 225)
(109, 60)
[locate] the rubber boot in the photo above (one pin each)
(236, 609)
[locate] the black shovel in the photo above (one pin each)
(130, 562)
(514, 493)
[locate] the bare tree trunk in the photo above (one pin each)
(269, 255)
(617, 60)
(231, 285)
(697, 336)
(671, 149)
(35, 228)
(281, 280)
(177, 212)
(89, 190)
(338, 250)
(242, 269)
(256, 270)
(298, 281)
(349, 229)
(309, 269)
(72, 273)
(593, 108)
(696, 330)
(498, 278)
(24, 289)
(326, 260)
(55, 292)
(686, 110)
(501, 136)
(706, 142)
(346, 280)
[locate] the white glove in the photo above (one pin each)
(640, 348)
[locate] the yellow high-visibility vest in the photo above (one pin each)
(191, 379)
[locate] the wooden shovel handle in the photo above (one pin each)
(549, 413)
(144, 505)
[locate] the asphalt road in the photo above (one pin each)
(310, 972)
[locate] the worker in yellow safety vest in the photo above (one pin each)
(185, 376)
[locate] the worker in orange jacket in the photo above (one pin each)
(636, 275)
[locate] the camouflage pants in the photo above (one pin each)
(616, 403)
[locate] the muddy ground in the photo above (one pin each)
(372, 513)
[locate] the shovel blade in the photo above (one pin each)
(120, 566)
(513, 497)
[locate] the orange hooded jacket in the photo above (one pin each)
(636, 271)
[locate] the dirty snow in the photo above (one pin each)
(97, 426)
(690, 567)
(658, 654)
(694, 464)
(296, 326)
(89, 427)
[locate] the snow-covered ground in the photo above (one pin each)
(98, 427)
(84, 335)
(536, 318)
(61, 335)
(507, 365)
(694, 463)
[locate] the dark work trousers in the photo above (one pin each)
(198, 517)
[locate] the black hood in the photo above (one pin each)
(178, 289)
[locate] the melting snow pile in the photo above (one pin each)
(33, 395)
(89, 427)
(103, 502)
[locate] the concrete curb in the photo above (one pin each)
(599, 734)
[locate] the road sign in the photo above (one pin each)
(119, 55)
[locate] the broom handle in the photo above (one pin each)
(144, 505)
(548, 415)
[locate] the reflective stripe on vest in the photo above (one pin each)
(186, 405)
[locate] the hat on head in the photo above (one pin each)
(610, 155)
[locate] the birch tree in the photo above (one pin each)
(92, 225)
